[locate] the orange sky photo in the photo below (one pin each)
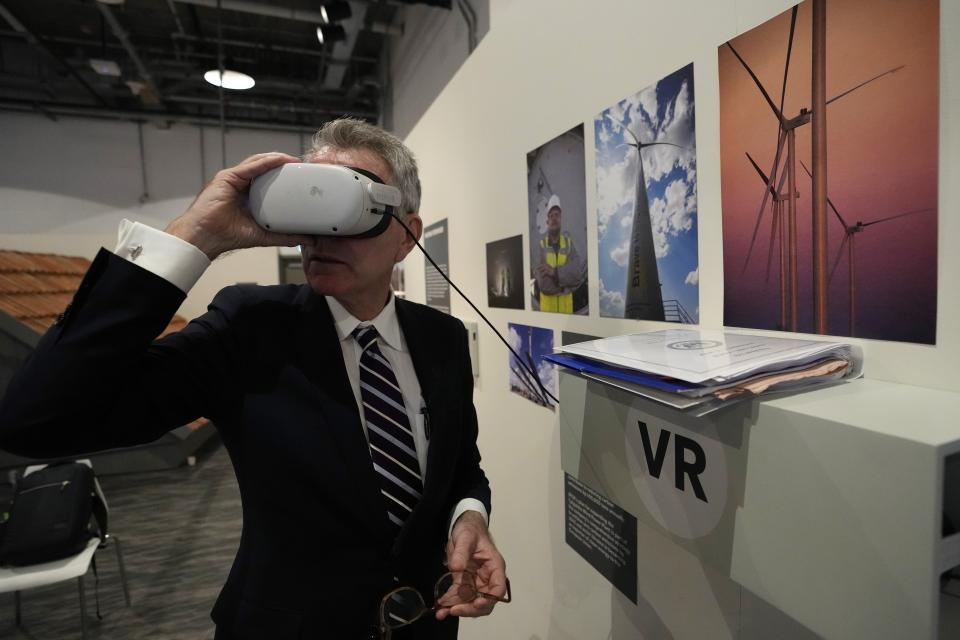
(882, 144)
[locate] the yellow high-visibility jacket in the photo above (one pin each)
(554, 296)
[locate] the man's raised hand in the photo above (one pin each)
(218, 220)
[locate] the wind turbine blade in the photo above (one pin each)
(866, 82)
(651, 144)
(622, 126)
(763, 176)
(783, 86)
(899, 215)
(829, 201)
(786, 67)
(635, 138)
(756, 81)
(763, 203)
(836, 261)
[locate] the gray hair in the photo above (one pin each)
(352, 133)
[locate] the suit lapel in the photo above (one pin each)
(419, 347)
(323, 364)
(426, 362)
(429, 351)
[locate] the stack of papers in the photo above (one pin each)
(699, 371)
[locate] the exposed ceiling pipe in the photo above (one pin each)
(86, 42)
(152, 95)
(318, 53)
(42, 47)
(260, 9)
(176, 18)
(261, 106)
(97, 113)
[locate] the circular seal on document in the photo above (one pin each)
(693, 345)
(680, 474)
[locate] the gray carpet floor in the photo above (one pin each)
(179, 530)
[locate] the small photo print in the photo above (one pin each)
(531, 344)
(505, 273)
(557, 224)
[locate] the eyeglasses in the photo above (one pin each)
(405, 605)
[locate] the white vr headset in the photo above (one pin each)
(322, 200)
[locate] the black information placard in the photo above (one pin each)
(603, 534)
(436, 244)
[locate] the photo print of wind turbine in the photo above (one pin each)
(646, 165)
(828, 128)
(531, 343)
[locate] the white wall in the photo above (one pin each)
(544, 67)
(65, 186)
(433, 46)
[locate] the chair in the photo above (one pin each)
(17, 579)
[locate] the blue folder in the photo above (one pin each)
(630, 375)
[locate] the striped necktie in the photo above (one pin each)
(392, 447)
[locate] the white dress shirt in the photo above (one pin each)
(182, 264)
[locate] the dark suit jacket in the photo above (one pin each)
(264, 364)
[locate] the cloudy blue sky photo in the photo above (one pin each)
(538, 342)
(663, 112)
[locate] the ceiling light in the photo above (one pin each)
(331, 33)
(105, 67)
(231, 79)
(335, 12)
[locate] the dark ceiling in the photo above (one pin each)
(163, 47)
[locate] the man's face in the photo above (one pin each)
(553, 220)
(357, 268)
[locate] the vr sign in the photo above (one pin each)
(680, 474)
(682, 468)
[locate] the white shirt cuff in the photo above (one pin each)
(175, 260)
(467, 504)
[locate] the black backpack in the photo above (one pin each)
(51, 514)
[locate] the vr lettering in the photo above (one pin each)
(682, 468)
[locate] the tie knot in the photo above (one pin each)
(365, 336)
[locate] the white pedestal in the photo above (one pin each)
(828, 505)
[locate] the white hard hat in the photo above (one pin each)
(553, 202)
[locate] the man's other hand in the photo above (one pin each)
(219, 220)
(471, 548)
(545, 271)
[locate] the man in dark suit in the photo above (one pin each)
(337, 508)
